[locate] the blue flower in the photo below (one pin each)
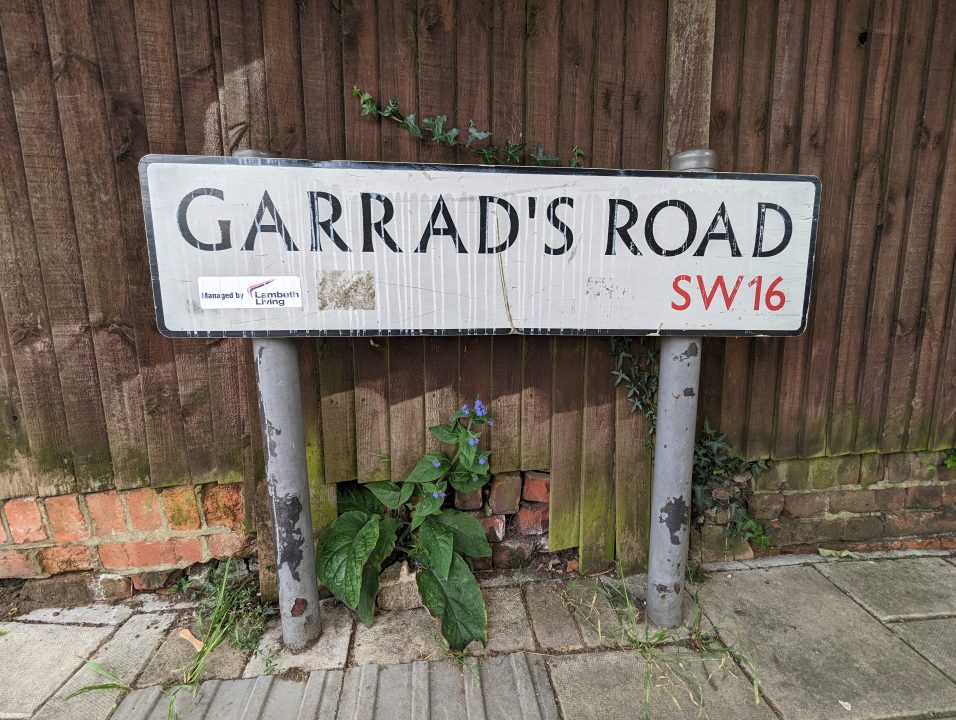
(443, 494)
(480, 409)
(482, 461)
(465, 410)
(473, 441)
(436, 463)
(436, 494)
(490, 423)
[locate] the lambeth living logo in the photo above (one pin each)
(245, 292)
(253, 288)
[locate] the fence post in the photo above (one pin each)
(283, 434)
(677, 392)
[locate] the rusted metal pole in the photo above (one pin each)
(677, 391)
(283, 433)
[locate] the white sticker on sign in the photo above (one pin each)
(249, 292)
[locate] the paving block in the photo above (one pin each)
(517, 682)
(124, 654)
(46, 654)
(610, 686)
(398, 589)
(815, 649)
(554, 628)
(935, 640)
(85, 615)
(175, 653)
(328, 653)
(906, 589)
(508, 626)
(397, 638)
(597, 622)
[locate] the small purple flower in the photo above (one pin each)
(482, 461)
(436, 463)
(443, 494)
(473, 441)
(480, 409)
(465, 410)
(436, 494)
(491, 423)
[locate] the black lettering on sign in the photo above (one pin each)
(326, 225)
(691, 227)
(440, 211)
(484, 202)
(388, 212)
(624, 230)
(712, 233)
(559, 226)
(761, 222)
(225, 241)
(277, 225)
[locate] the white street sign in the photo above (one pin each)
(270, 247)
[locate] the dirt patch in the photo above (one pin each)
(10, 599)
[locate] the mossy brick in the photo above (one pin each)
(106, 512)
(505, 494)
(512, 552)
(537, 486)
(766, 506)
(805, 504)
(921, 522)
(223, 505)
(830, 472)
(66, 520)
(710, 543)
(23, 518)
(924, 497)
(479, 564)
(18, 564)
(145, 514)
(179, 504)
(871, 469)
(854, 501)
(65, 558)
(774, 478)
(798, 531)
(904, 467)
(863, 527)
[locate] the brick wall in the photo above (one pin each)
(898, 500)
(127, 532)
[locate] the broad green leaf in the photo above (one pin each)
(438, 543)
(352, 496)
(426, 471)
(465, 481)
(391, 495)
(446, 433)
(342, 552)
(468, 534)
(456, 601)
(479, 464)
(388, 529)
(432, 497)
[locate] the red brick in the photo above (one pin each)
(533, 518)
(144, 511)
(180, 506)
(801, 505)
(65, 518)
(188, 551)
(228, 544)
(924, 497)
(766, 506)
(890, 498)
(505, 494)
(481, 563)
(922, 522)
(855, 501)
(65, 558)
(223, 505)
(537, 486)
(468, 500)
(106, 512)
(144, 554)
(24, 519)
(494, 526)
(17, 564)
(512, 553)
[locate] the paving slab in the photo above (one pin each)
(265, 698)
(554, 627)
(814, 648)
(46, 654)
(935, 640)
(598, 623)
(508, 626)
(153, 603)
(175, 653)
(124, 655)
(330, 652)
(611, 686)
(397, 637)
(908, 589)
(84, 615)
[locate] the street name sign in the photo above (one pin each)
(262, 247)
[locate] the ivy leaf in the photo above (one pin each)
(446, 433)
(456, 601)
(426, 470)
(540, 158)
(352, 496)
(391, 495)
(513, 152)
(438, 544)
(436, 124)
(467, 532)
(388, 532)
(391, 108)
(475, 135)
(343, 551)
(487, 154)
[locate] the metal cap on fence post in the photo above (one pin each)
(280, 412)
(678, 386)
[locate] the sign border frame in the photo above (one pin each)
(152, 158)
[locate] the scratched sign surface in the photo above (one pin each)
(263, 247)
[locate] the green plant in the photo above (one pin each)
(407, 520)
(510, 153)
(949, 460)
(113, 681)
(638, 373)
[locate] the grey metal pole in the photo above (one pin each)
(280, 410)
(677, 392)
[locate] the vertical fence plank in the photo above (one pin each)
(441, 384)
(406, 396)
(337, 388)
(567, 427)
(537, 372)
(244, 116)
(320, 42)
(437, 71)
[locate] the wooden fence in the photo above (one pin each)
(859, 93)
